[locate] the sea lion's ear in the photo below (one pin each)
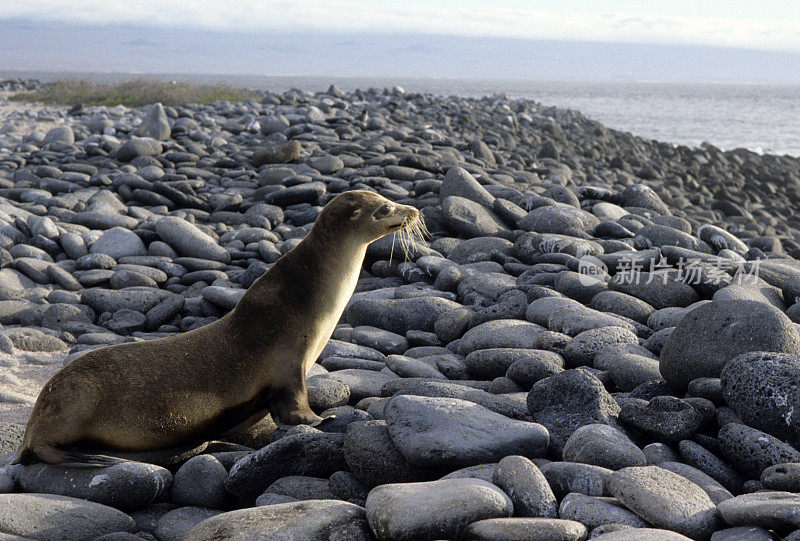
(355, 213)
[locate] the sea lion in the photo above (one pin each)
(225, 376)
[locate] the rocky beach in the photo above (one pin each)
(599, 339)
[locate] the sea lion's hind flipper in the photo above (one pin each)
(47, 454)
(74, 459)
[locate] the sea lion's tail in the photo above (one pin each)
(59, 457)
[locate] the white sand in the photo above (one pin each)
(18, 119)
(23, 382)
(24, 374)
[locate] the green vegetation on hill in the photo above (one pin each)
(133, 93)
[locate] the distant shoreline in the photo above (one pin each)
(758, 117)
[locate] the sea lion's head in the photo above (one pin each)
(368, 216)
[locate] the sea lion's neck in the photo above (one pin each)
(314, 280)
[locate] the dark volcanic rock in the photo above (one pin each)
(568, 400)
(764, 391)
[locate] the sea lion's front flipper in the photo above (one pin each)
(290, 407)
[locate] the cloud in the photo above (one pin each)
(476, 18)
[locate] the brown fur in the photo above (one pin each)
(227, 375)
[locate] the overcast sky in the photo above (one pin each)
(772, 27)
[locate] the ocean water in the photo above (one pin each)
(762, 118)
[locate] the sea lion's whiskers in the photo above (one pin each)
(412, 231)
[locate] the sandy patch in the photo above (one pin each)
(24, 381)
(18, 119)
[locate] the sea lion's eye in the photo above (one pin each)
(384, 211)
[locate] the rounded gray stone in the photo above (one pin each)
(495, 362)
(200, 481)
(48, 517)
(594, 512)
(784, 477)
(432, 431)
(711, 335)
(567, 477)
(641, 534)
(526, 486)
(189, 241)
(770, 510)
(128, 485)
(666, 500)
(604, 446)
(433, 510)
(312, 520)
(526, 529)
(176, 524)
(119, 242)
(582, 349)
(715, 491)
